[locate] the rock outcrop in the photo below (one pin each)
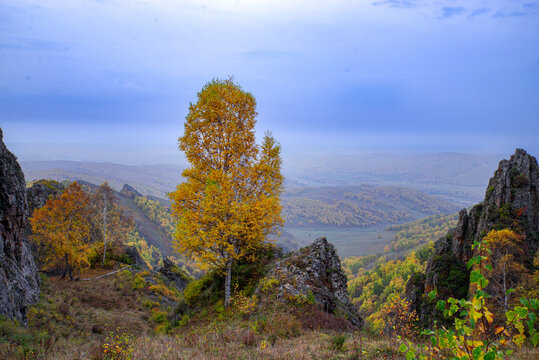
(130, 191)
(19, 281)
(174, 274)
(40, 191)
(314, 274)
(133, 254)
(511, 201)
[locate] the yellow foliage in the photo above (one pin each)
(163, 290)
(230, 199)
(62, 226)
(503, 267)
(242, 303)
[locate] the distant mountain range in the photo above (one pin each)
(459, 178)
(153, 180)
(321, 207)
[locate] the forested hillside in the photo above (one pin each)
(377, 279)
(360, 206)
(154, 180)
(422, 231)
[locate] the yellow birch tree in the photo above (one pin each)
(229, 201)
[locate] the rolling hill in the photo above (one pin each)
(360, 206)
(459, 178)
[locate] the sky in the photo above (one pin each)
(111, 80)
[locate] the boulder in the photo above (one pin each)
(40, 191)
(133, 254)
(19, 280)
(314, 274)
(174, 274)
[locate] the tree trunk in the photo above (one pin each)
(505, 294)
(104, 231)
(227, 282)
(67, 269)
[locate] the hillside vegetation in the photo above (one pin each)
(377, 279)
(422, 231)
(359, 205)
(124, 316)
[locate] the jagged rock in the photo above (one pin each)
(19, 281)
(135, 257)
(511, 201)
(40, 191)
(130, 191)
(315, 272)
(174, 274)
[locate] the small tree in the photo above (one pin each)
(475, 334)
(503, 267)
(109, 218)
(62, 226)
(230, 199)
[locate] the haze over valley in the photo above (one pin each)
(269, 179)
(351, 199)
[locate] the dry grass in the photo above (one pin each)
(89, 307)
(74, 320)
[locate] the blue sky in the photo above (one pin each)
(112, 80)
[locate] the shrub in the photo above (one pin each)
(150, 304)
(161, 289)
(268, 283)
(118, 346)
(158, 317)
(337, 342)
(475, 334)
(249, 338)
(399, 319)
(205, 291)
(138, 282)
(241, 303)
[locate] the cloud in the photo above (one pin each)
(266, 54)
(33, 44)
(507, 14)
(450, 11)
(523, 9)
(480, 11)
(396, 3)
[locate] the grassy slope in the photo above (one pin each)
(76, 316)
(74, 319)
(148, 229)
(80, 320)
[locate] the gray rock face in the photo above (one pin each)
(511, 201)
(315, 271)
(130, 191)
(512, 195)
(174, 274)
(40, 191)
(135, 257)
(19, 281)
